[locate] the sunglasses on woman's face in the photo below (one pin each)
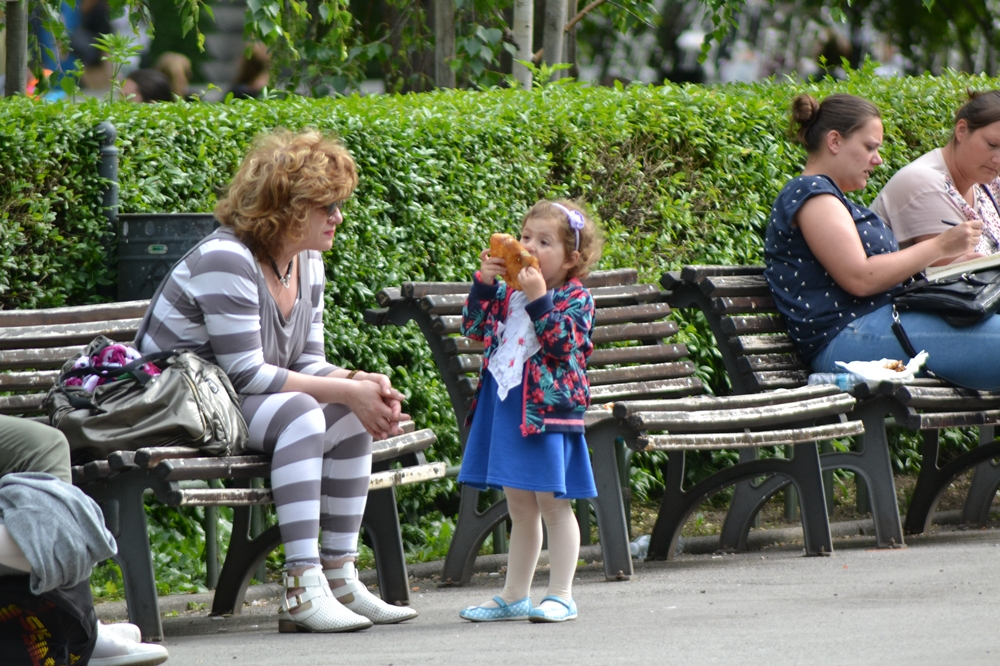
(332, 209)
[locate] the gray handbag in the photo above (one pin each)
(190, 403)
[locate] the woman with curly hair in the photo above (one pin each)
(249, 297)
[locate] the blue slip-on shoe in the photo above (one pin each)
(567, 611)
(518, 610)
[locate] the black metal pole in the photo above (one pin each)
(107, 169)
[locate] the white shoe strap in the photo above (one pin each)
(346, 572)
(313, 583)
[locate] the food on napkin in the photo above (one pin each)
(886, 368)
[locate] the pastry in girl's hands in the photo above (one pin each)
(514, 255)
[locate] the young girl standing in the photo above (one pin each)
(527, 418)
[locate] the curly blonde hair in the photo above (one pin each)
(283, 177)
(591, 238)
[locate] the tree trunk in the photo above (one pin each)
(523, 28)
(569, 42)
(552, 37)
(17, 48)
(444, 43)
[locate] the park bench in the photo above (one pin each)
(33, 346)
(759, 356)
(633, 358)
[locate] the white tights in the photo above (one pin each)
(527, 510)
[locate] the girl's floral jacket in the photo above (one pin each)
(555, 391)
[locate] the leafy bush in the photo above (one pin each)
(677, 174)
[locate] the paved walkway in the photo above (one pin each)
(934, 602)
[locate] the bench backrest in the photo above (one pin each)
(757, 351)
(633, 356)
(34, 344)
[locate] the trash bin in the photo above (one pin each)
(149, 244)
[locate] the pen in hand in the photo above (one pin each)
(950, 223)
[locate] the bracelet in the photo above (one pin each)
(350, 375)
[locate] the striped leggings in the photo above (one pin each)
(321, 462)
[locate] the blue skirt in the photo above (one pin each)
(498, 455)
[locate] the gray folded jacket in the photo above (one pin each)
(59, 528)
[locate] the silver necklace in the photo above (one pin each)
(285, 281)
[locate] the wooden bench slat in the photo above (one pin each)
(73, 315)
(28, 381)
(37, 359)
(607, 278)
(442, 303)
(59, 335)
(678, 387)
(624, 409)
(462, 345)
(762, 344)
(780, 379)
(388, 296)
(695, 273)
(940, 398)
(771, 362)
(254, 496)
(637, 373)
(742, 304)
(745, 440)
(939, 420)
(739, 419)
(744, 324)
(28, 403)
(229, 467)
(656, 330)
(417, 290)
(636, 354)
(738, 285)
(631, 313)
(446, 325)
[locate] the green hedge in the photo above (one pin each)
(677, 174)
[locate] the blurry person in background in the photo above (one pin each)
(254, 73)
(177, 68)
(147, 85)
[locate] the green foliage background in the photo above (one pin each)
(676, 174)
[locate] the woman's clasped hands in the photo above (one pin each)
(377, 405)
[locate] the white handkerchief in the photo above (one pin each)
(518, 343)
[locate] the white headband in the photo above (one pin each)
(575, 220)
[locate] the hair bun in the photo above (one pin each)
(805, 108)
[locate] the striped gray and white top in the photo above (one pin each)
(216, 304)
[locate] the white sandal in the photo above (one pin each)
(356, 597)
(321, 612)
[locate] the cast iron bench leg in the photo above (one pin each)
(748, 500)
(874, 464)
(120, 498)
(807, 475)
(243, 558)
(803, 468)
(985, 482)
(610, 508)
(933, 479)
(381, 523)
(471, 530)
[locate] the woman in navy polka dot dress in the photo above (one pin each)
(833, 266)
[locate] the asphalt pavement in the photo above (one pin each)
(933, 602)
